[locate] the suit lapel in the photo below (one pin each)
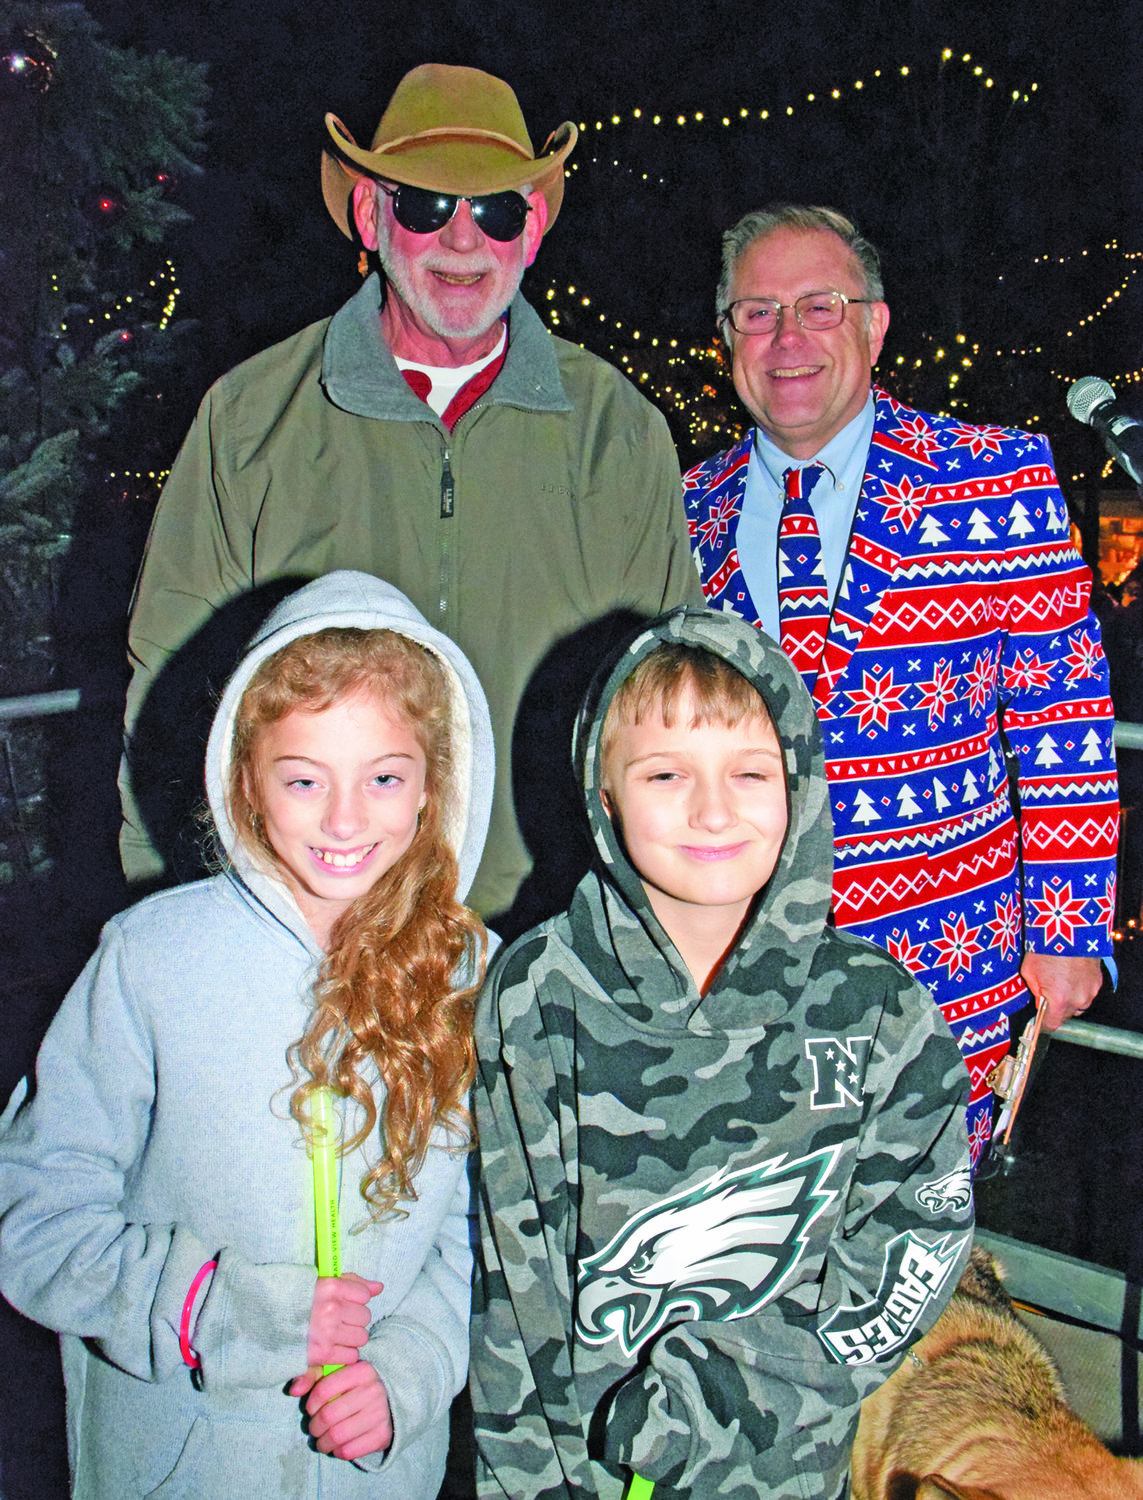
(897, 474)
(721, 483)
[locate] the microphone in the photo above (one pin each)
(1092, 400)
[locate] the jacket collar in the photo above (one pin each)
(360, 375)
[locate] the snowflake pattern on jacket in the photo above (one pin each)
(709, 1224)
(961, 633)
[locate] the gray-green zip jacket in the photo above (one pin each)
(709, 1225)
(553, 501)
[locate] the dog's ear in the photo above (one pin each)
(901, 1486)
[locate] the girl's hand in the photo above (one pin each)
(339, 1319)
(348, 1410)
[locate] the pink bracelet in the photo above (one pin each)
(189, 1356)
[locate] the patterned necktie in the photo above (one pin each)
(803, 600)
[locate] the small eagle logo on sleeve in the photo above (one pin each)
(720, 1250)
(949, 1194)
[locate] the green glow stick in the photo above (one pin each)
(639, 1488)
(327, 1227)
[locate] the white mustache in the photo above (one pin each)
(466, 268)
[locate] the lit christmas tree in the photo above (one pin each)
(93, 140)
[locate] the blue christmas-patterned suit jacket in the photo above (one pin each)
(961, 625)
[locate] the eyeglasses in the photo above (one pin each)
(501, 216)
(816, 311)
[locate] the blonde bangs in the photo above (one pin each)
(665, 677)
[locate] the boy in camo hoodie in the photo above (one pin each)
(725, 1177)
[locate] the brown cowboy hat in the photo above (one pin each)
(454, 130)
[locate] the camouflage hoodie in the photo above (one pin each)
(710, 1224)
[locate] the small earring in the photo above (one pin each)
(363, 264)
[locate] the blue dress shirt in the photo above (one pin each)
(833, 502)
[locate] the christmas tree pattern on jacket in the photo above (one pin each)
(961, 650)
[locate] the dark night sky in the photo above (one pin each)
(263, 256)
(955, 190)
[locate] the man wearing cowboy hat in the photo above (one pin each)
(431, 432)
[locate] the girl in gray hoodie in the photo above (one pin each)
(156, 1197)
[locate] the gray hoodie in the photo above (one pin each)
(157, 1137)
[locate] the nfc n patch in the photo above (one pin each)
(839, 1066)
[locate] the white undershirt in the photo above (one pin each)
(447, 380)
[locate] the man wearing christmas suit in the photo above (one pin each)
(932, 599)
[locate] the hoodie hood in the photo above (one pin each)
(349, 600)
(771, 960)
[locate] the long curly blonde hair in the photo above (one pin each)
(385, 998)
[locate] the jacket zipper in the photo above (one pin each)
(448, 489)
(448, 505)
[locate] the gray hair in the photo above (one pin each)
(764, 221)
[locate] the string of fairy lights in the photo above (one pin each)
(131, 304)
(164, 283)
(664, 366)
(960, 356)
(631, 346)
(829, 96)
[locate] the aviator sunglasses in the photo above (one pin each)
(501, 216)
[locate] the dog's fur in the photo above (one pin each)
(982, 1416)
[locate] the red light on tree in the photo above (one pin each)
(105, 207)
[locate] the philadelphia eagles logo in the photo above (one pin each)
(717, 1251)
(949, 1194)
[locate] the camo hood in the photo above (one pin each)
(639, 965)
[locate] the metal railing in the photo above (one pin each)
(1100, 1038)
(40, 705)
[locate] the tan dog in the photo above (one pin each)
(979, 1414)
